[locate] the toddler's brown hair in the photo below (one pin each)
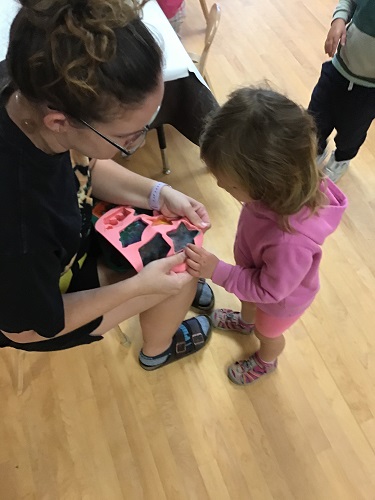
(267, 143)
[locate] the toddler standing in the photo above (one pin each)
(261, 147)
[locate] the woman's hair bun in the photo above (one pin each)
(83, 56)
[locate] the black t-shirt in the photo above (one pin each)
(43, 229)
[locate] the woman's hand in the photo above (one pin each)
(176, 204)
(336, 34)
(200, 263)
(158, 276)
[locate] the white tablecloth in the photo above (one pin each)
(177, 62)
(8, 10)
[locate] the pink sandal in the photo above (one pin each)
(226, 319)
(249, 370)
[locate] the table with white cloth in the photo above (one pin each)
(187, 98)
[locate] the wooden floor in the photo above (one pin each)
(92, 425)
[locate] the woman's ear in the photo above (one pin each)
(56, 121)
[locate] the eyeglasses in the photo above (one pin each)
(133, 141)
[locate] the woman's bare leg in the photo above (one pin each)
(160, 322)
(160, 315)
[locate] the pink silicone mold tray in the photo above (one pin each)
(142, 238)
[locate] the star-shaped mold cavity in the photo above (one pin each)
(157, 248)
(182, 236)
(132, 233)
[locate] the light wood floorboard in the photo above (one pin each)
(92, 425)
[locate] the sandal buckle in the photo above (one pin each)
(197, 338)
(180, 347)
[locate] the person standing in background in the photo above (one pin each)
(344, 97)
(174, 10)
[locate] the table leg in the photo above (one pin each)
(163, 147)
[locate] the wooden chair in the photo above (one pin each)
(204, 9)
(20, 371)
(212, 19)
(123, 338)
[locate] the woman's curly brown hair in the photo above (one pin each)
(82, 56)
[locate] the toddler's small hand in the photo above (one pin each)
(336, 34)
(200, 263)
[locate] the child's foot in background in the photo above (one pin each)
(249, 370)
(321, 158)
(226, 319)
(335, 169)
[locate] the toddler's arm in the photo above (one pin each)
(337, 33)
(283, 269)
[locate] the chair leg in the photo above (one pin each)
(163, 147)
(204, 8)
(20, 371)
(124, 339)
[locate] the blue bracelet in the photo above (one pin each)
(154, 198)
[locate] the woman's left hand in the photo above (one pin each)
(176, 204)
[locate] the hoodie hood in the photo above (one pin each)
(315, 227)
(326, 220)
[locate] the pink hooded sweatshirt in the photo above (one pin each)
(278, 270)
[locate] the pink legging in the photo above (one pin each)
(272, 326)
